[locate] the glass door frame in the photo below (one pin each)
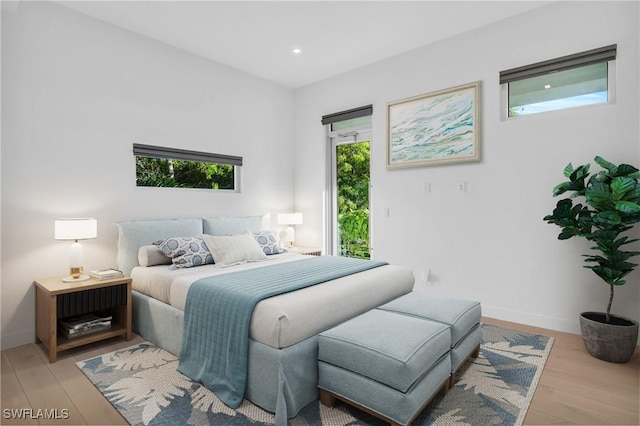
(334, 139)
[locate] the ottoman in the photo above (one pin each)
(461, 316)
(388, 364)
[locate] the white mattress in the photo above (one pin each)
(289, 318)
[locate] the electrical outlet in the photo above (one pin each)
(423, 275)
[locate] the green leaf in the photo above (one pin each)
(563, 187)
(599, 196)
(594, 258)
(603, 272)
(634, 194)
(625, 240)
(567, 233)
(621, 185)
(627, 207)
(607, 218)
(563, 208)
(612, 168)
(602, 235)
(580, 173)
(568, 170)
(627, 170)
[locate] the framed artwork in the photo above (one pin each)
(435, 128)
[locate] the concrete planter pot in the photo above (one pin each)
(612, 342)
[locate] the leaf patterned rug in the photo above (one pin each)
(142, 383)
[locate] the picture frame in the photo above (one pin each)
(434, 128)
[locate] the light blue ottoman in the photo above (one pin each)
(389, 364)
(462, 317)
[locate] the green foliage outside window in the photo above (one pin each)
(163, 172)
(514, 111)
(353, 199)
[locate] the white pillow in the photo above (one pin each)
(152, 255)
(234, 249)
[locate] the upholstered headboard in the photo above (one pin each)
(131, 235)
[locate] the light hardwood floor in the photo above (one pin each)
(575, 388)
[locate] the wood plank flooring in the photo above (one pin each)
(575, 388)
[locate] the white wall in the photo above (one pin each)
(490, 242)
(76, 93)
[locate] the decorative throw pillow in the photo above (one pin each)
(185, 252)
(152, 255)
(268, 242)
(234, 249)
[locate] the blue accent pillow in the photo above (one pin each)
(185, 252)
(268, 242)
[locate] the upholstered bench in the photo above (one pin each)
(387, 363)
(462, 317)
(392, 360)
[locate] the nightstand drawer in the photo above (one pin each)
(96, 299)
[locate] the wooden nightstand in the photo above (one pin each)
(56, 300)
(312, 251)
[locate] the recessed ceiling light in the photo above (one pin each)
(547, 86)
(297, 51)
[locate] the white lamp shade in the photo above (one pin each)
(289, 218)
(76, 229)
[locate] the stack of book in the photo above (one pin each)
(82, 325)
(105, 274)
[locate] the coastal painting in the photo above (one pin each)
(435, 128)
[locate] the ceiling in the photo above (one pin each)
(335, 36)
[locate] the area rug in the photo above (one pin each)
(142, 383)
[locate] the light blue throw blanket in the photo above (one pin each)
(218, 313)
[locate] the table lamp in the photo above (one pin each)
(75, 229)
(289, 219)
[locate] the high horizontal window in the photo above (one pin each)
(575, 80)
(179, 168)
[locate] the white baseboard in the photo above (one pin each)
(535, 320)
(16, 339)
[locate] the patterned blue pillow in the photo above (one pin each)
(185, 252)
(268, 242)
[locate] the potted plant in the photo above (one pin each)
(611, 208)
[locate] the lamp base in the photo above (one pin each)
(75, 280)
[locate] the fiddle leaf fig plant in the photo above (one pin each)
(611, 207)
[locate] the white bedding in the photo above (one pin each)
(289, 318)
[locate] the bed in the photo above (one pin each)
(282, 355)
